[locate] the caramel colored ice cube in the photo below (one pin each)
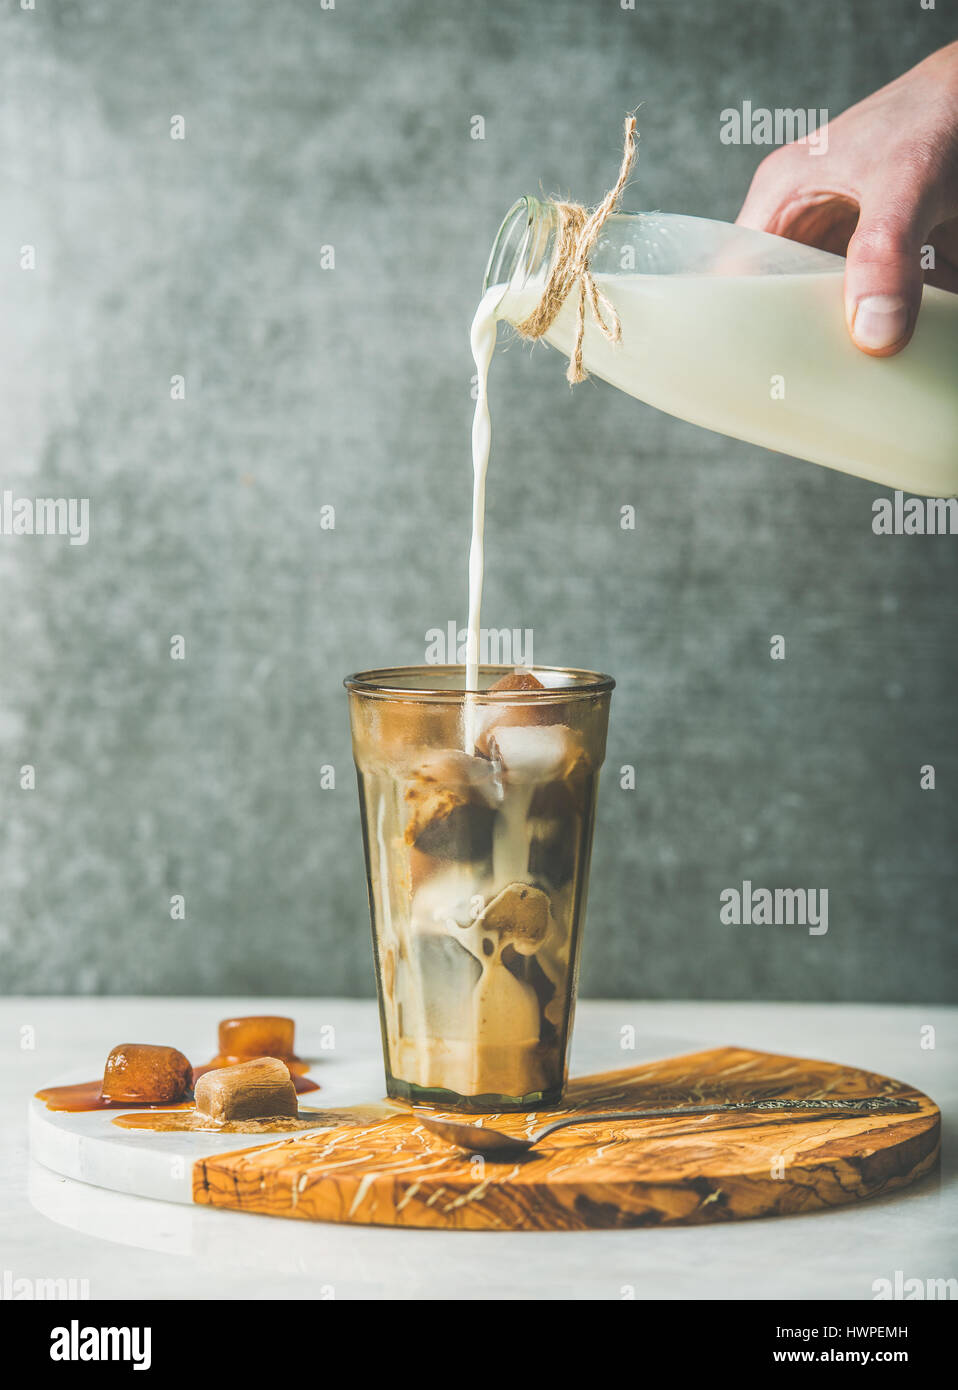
(518, 680)
(554, 828)
(451, 800)
(521, 915)
(552, 849)
(514, 712)
(146, 1074)
(256, 1090)
(259, 1035)
(448, 825)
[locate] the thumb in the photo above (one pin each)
(883, 279)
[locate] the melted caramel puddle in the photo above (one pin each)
(88, 1095)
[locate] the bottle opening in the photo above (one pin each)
(524, 243)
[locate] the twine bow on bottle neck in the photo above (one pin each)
(578, 232)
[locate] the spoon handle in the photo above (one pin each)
(858, 1105)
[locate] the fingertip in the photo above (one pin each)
(880, 324)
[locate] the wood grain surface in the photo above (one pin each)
(637, 1173)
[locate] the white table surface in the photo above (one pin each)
(129, 1247)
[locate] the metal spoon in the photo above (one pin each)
(494, 1144)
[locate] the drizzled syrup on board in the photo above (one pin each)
(167, 1121)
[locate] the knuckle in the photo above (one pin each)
(884, 238)
(921, 161)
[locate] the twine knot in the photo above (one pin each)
(578, 233)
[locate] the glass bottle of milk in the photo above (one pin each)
(744, 333)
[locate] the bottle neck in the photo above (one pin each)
(524, 245)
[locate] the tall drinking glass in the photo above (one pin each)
(477, 813)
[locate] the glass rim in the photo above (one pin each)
(379, 683)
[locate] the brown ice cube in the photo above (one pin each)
(521, 915)
(552, 847)
(259, 1035)
(518, 680)
(451, 799)
(448, 825)
(554, 829)
(514, 712)
(255, 1090)
(146, 1074)
(554, 801)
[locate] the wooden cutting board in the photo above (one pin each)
(637, 1173)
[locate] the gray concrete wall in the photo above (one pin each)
(351, 387)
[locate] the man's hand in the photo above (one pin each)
(886, 187)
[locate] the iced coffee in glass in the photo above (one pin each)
(477, 812)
